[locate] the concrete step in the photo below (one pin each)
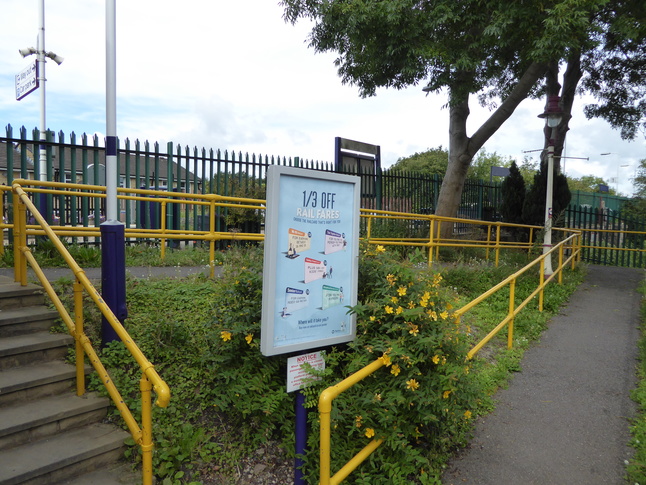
(37, 380)
(17, 321)
(119, 474)
(12, 295)
(33, 420)
(68, 454)
(31, 348)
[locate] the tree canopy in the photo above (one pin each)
(501, 51)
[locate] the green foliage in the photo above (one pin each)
(228, 400)
(421, 401)
(586, 183)
(432, 161)
(513, 196)
(480, 167)
(534, 205)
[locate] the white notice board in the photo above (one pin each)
(310, 261)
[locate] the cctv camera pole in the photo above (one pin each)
(42, 149)
(113, 258)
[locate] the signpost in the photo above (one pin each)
(27, 80)
(310, 274)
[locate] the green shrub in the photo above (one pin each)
(420, 403)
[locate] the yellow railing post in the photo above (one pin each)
(497, 243)
(512, 305)
(212, 237)
(431, 246)
(541, 282)
(78, 326)
(146, 431)
(369, 228)
(162, 225)
(560, 268)
(489, 244)
(19, 240)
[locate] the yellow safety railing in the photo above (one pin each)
(150, 380)
(489, 233)
(164, 199)
(571, 243)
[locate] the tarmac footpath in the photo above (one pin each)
(565, 418)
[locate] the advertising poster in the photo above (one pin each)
(311, 257)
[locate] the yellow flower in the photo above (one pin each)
(467, 414)
(432, 314)
(436, 359)
(444, 315)
(388, 309)
(449, 306)
(395, 370)
(413, 385)
(357, 421)
(372, 318)
(380, 248)
(249, 338)
(385, 359)
(224, 335)
(401, 290)
(391, 279)
(414, 330)
(446, 394)
(411, 304)
(399, 310)
(394, 299)
(370, 432)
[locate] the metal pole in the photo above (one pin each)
(113, 255)
(301, 437)
(40, 54)
(111, 169)
(547, 239)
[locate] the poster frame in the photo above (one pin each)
(274, 253)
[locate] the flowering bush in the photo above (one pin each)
(420, 402)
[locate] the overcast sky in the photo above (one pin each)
(234, 76)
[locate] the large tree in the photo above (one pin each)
(501, 51)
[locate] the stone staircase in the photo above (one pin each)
(48, 435)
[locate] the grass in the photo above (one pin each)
(636, 469)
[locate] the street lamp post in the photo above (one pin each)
(41, 55)
(553, 116)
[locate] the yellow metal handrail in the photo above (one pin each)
(573, 242)
(150, 379)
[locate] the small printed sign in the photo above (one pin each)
(296, 373)
(334, 242)
(27, 80)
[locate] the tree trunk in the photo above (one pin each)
(462, 148)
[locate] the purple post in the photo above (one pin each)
(113, 276)
(301, 437)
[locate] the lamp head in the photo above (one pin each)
(553, 113)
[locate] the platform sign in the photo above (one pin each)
(311, 259)
(27, 80)
(298, 373)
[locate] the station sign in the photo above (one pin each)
(27, 80)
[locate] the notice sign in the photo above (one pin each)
(27, 80)
(297, 373)
(298, 242)
(334, 242)
(311, 259)
(295, 299)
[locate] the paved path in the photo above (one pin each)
(565, 417)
